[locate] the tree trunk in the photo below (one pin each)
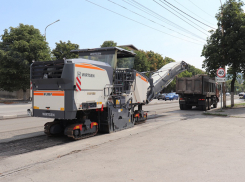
(232, 99)
(232, 89)
(24, 95)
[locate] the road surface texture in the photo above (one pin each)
(174, 146)
(18, 108)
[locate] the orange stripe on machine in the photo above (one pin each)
(141, 77)
(89, 66)
(49, 93)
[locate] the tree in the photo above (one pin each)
(141, 63)
(227, 49)
(20, 46)
(195, 71)
(63, 50)
(168, 60)
(155, 60)
(109, 43)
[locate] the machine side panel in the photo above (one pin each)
(93, 79)
(141, 88)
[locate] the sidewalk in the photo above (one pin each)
(237, 112)
(14, 110)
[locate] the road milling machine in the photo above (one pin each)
(99, 91)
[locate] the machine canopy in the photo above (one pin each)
(114, 56)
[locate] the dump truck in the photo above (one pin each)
(99, 91)
(200, 91)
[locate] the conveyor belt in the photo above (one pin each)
(163, 77)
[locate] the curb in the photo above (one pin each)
(13, 116)
(14, 101)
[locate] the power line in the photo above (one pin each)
(192, 12)
(188, 15)
(141, 23)
(200, 9)
(180, 17)
(183, 17)
(161, 18)
(151, 20)
(152, 14)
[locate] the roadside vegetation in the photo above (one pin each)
(237, 105)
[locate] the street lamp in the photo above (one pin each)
(49, 25)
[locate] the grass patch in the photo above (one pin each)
(215, 114)
(236, 105)
(219, 110)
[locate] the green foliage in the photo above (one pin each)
(141, 63)
(109, 43)
(238, 87)
(186, 74)
(14, 72)
(149, 61)
(195, 71)
(155, 60)
(20, 46)
(63, 50)
(168, 60)
(228, 49)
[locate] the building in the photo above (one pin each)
(130, 47)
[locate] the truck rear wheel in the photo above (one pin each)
(208, 102)
(215, 105)
(182, 107)
(204, 108)
(189, 107)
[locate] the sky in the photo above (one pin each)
(147, 24)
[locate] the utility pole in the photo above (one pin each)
(223, 84)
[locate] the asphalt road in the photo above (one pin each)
(175, 146)
(17, 108)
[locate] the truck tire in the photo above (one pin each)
(189, 107)
(208, 103)
(204, 108)
(215, 105)
(182, 107)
